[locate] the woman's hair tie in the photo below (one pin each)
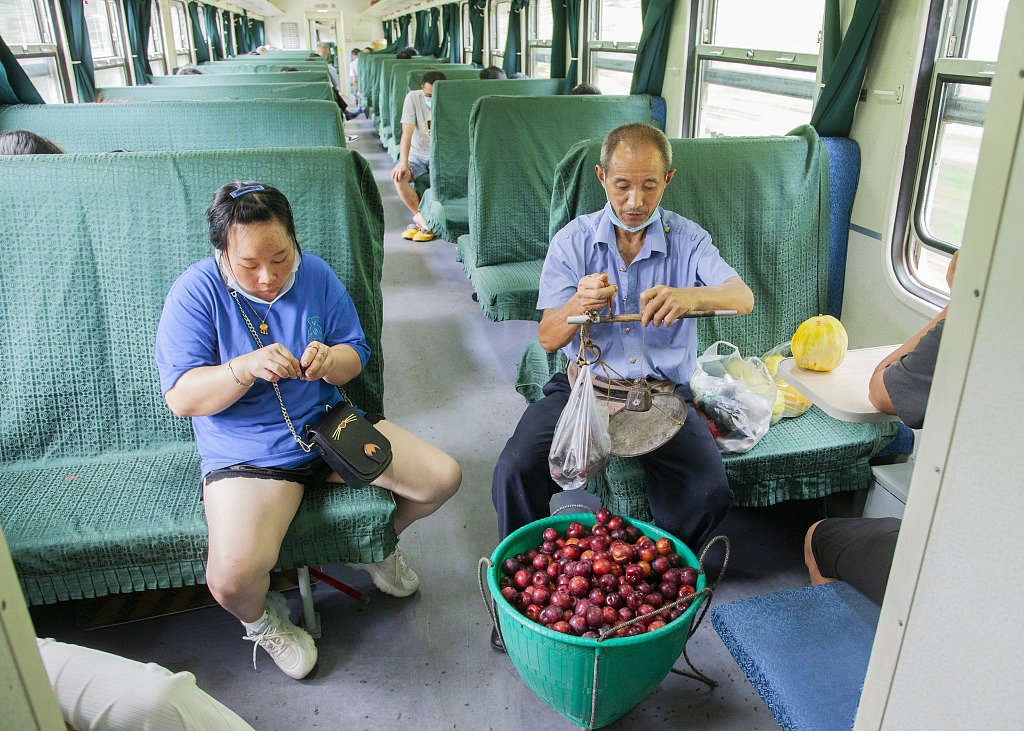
(247, 189)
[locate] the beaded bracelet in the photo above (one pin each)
(240, 384)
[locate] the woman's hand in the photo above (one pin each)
(316, 362)
(271, 363)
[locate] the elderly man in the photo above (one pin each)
(323, 50)
(414, 153)
(645, 260)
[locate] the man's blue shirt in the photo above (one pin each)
(201, 326)
(676, 253)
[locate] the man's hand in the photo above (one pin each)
(593, 292)
(401, 173)
(662, 305)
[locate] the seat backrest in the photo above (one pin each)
(449, 137)
(410, 80)
(369, 73)
(384, 82)
(281, 77)
(100, 238)
(187, 125)
(765, 202)
(844, 175)
(196, 92)
(516, 144)
(258, 67)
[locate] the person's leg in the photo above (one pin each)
(247, 520)
(408, 196)
(521, 487)
(420, 167)
(858, 551)
(810, 561)
(687, 488)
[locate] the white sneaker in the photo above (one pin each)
(290, 647)
(393, 575)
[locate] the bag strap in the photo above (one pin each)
(306, 447)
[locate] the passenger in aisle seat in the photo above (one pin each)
(414, 153)
(22, 142)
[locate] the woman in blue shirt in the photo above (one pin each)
(254, 471)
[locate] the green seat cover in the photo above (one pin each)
(765, 202)
(516, 144)
(210, 92)
(283, 77)
(409, 81)
(99, 486)
(181, 125)
(260, 67)
(445, 206)
(369, 73)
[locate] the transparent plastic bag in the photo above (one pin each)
(736, 395)
(581, 446)
(789, 402)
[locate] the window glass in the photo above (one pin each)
(787, 25)
(740, 99)
(619, 20)
(540, 62)
(179, 25)
(541, 22)
(156, 41)
(44, 76)
(499, 26)
(612, 72)
(986, 31)
(102, 32)
(19, 24)
(113, 76)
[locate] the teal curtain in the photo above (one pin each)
(73, 14)
(451, 48)
(137, 18)
(387, 31)
(558, 34)
(213, 32)
(402, 42)
(513, 62)
(229, 47)
(242, 43)
(15, 86)
(259, 33)
(198, 40)
(476, 25)
(652, 51)
(421, 29)
(843, 66)
(432, 34)
(572, 20)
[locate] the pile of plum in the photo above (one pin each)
(587, 583)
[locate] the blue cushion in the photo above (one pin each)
(805, 651)
(844, 173)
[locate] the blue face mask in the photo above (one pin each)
(631, 229)
(428, 100)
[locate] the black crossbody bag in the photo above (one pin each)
(347, 441)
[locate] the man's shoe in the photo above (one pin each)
(422, 235)
(496, 644)
(289, 646)
(410, 232)
(393, 575)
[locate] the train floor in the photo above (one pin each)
(425, 662)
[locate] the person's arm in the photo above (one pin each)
(878, 394)
(663, 305)
(401, 171)
(592, 293)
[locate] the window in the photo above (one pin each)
(538, 44)
(25, 27)
(755, 66)
(615, 28)
(957, 102)
(103, 19)
(499, 31)
(467, 35)
(182, 39)
(156, 42)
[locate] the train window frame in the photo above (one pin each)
(604, 54)
(467, 34)
(114, 29)
(155, 51)
(707, 52)
(497, 32)
(919, 254)
(46, 48)
(536, 43)
(183, 33)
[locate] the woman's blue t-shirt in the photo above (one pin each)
(201, 325)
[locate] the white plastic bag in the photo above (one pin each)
(581, 446)
(736, 395)
(789, 402)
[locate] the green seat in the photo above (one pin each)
(402, 84)
(260, 67)
(212, 92)
(369, 74)
(445, 206)
(283, 77)
(516, 144)
(765, 202)
(99, 482)
(180, 125)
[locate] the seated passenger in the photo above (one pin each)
(261, 50)
(520, 75)
(22, 142)
(215, 369)
(323, 50)
(188, 71)
(583, 90)
(414, 153)
(492, 72)
(406, 54)
(648, 261)
(859, 551)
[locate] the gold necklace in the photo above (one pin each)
(264, 327)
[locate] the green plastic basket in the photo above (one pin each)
(563, 670)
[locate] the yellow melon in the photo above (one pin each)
(819, 344)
